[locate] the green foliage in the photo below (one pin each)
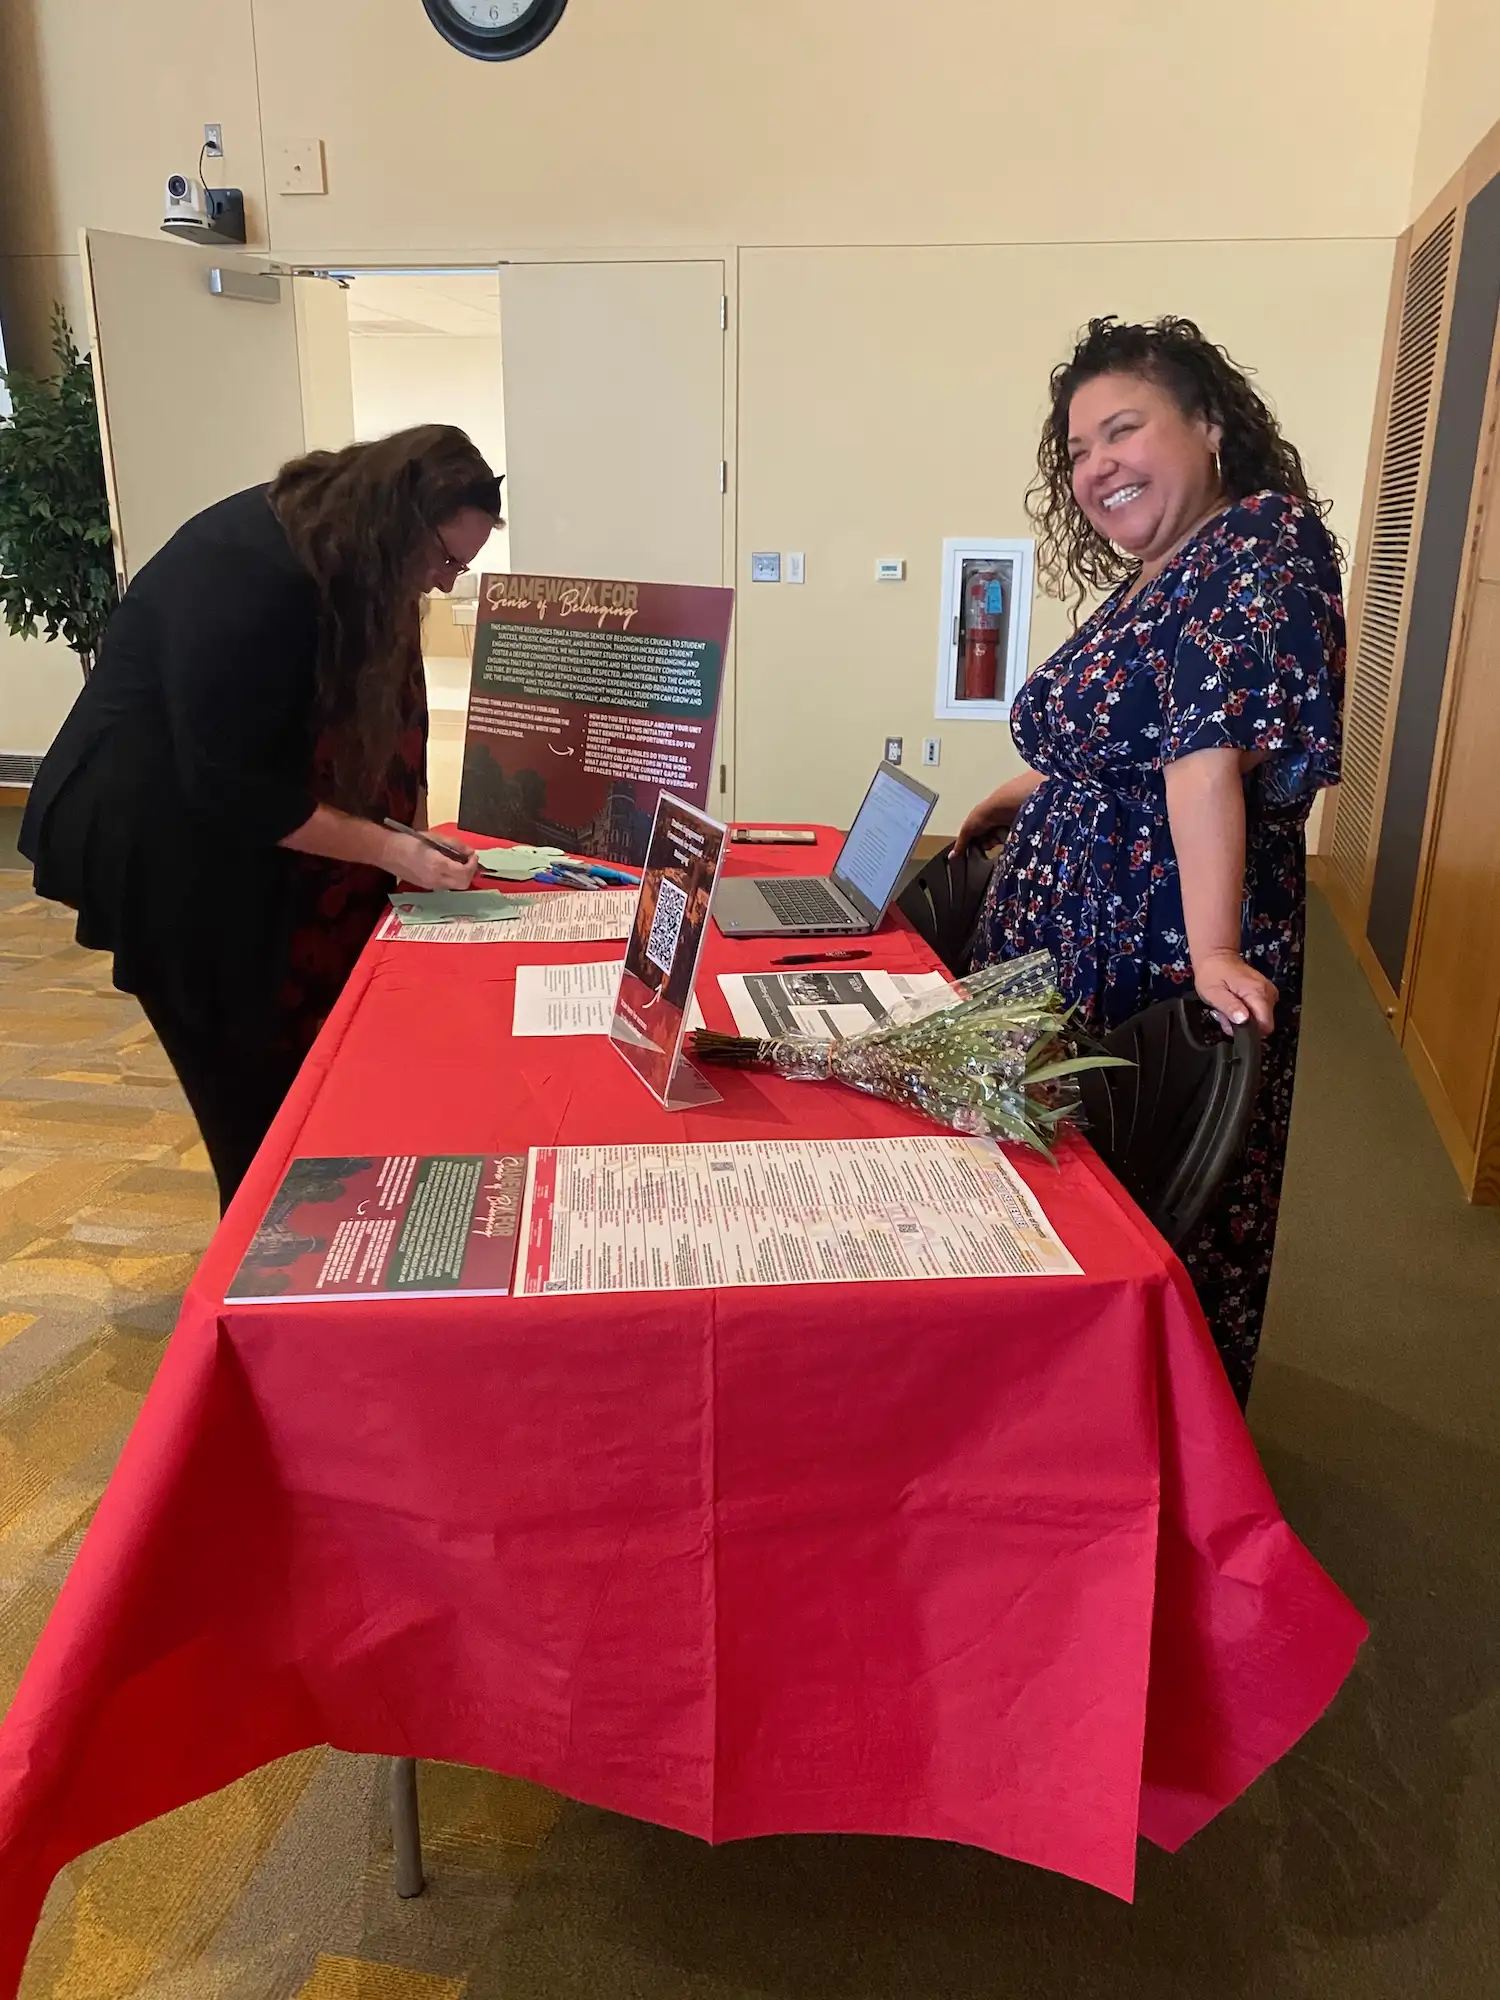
(56, 568)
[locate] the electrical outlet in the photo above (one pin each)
(301, 168)
(893, 749)
(932, 749)
(213, 142)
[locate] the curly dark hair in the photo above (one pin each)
(1073, 558)
(358, 521)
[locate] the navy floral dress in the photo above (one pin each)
(1239, 643)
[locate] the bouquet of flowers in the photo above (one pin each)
(1001, 1062)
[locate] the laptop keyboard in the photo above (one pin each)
(807, 903)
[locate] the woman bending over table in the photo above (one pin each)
(1176, 742)
(212, 807)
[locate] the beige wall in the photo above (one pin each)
(1462, 97)
(1255, 166)
(39, 681)
(672, 122)
(829, 121)
(892, 397)
(405, 379)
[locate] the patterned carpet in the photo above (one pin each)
(280, 1885)
(1363, 1866)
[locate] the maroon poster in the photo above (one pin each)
(586, 701)
(394, 1227)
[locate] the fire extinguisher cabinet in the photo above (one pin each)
(985, 630)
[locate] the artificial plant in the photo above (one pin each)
(57, 572)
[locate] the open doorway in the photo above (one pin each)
(605, 408)
(424, 348)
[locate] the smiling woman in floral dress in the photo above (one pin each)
(1176, 742)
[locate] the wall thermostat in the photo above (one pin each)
(891, 569)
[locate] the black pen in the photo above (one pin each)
(450, 848)
(819, 957)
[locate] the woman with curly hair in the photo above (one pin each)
(215, 806)
(1176, 742)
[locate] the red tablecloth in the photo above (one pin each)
(989, 1561)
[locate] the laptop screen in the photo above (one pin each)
(886, 829)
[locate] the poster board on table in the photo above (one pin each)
(683, 860)
(386, 1226)
(587, 699)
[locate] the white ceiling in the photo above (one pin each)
(464, 303)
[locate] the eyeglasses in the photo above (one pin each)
(452, 563)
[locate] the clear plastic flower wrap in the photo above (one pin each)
(1001, 1061)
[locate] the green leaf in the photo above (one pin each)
(56, 566)
(1069, 1068)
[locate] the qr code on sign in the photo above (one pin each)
(666, 926)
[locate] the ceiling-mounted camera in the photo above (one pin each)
(202, 214)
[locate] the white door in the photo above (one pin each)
(201, 395)
(614, 427)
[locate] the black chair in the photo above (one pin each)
(943, 900)
(1172, 1125)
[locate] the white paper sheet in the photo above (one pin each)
(778, 1212)
(557, 916)
(571, 999)
(829, 1003)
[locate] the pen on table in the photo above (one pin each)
(450, 848)
(569, 875)
(819, 957)
(601, 873)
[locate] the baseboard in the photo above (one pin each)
(1456, 1142)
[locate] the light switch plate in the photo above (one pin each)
(301, 168)
(765, 567)
(796, 571)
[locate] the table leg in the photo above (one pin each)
(406, 1827)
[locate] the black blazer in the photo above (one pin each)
(186, 758)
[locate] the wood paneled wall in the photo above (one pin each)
(1411, 844)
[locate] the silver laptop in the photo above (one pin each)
(853, 899)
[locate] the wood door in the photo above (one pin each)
(1453, 1021)
(614, 384)
(1444, 570)
(199, 395)
(1381, 605)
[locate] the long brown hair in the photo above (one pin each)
(1073, 558)
(359, 521)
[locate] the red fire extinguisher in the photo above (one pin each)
(984, 613)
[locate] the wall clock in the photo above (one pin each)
(494, 30)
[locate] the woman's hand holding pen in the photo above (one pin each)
(422, 865)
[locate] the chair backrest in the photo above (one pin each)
(1173, 1124)
(943, 900)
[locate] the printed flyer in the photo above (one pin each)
(828, 1005)
(779, 1212)
(587, 699)
(443, 1226)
